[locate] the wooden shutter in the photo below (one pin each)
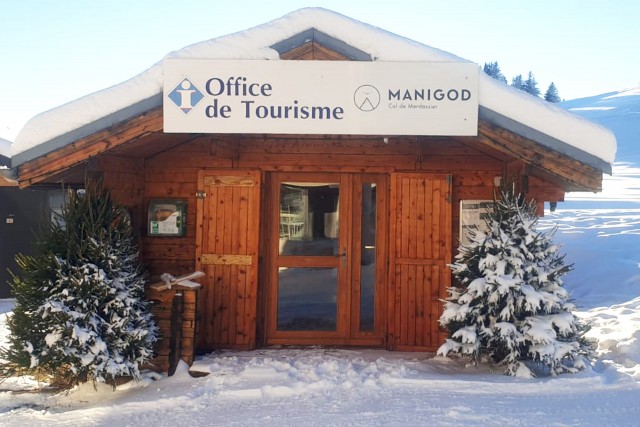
(420, 249)
(227, 252)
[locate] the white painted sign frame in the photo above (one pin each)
(320, 97)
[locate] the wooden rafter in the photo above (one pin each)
(575, 173)
(312, 51)
(65, 158)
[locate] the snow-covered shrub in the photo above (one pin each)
(511, 308)
(80, 310)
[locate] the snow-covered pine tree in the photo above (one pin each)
(80, 311)
(511, 308)
(518, 82)
(552, 95)
(493, 69)
(531, 85)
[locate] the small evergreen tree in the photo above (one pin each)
(512, 308)
(517, 82)
(531, 85)
(493, 70)
(551, 95)
(80, 312)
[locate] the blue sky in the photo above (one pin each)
(54, 51)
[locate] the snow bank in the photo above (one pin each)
(6, 305)
(381, 45)
(605, 282)
(616, 330)
(601, 244)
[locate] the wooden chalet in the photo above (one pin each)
(310, 239)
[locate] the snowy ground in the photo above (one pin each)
(316, 386)
(336, 387)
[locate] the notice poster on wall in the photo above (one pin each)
(167, 217)
(473, 216)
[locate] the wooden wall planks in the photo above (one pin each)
(229, 313)
(421, 232)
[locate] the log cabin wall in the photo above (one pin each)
(124, 177)
(173, 173)
(473, 174)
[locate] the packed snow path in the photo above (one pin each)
(322, 387)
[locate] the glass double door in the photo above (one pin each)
(327, 250)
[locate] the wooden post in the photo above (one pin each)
(175, 341)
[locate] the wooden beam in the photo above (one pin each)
(64, 158)
(313, 51)
(518, 171)
(515, 168)
(226, 259)
(570, 170)
(228, 181)
(225, 148)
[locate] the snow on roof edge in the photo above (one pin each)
(548, 119)
(90, 128)
(256, 42)
(544, 139)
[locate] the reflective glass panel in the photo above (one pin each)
(307, 299)
(368, 258)
(309, 219)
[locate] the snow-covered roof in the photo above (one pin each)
(510, 108)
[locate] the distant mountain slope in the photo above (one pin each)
(620, 112)
(601, 233)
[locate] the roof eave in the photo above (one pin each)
(544, 139)
(102, 123)
(317, 36)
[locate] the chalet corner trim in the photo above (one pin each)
(544, 139)
(315, 36)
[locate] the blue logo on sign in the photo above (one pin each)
(186, 96)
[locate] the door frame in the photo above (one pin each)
(347, 327)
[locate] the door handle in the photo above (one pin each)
(343, 255)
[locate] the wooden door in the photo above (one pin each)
(326, 277)
(420, 244)
(227, 252)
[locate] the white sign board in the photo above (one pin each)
(320, 97)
